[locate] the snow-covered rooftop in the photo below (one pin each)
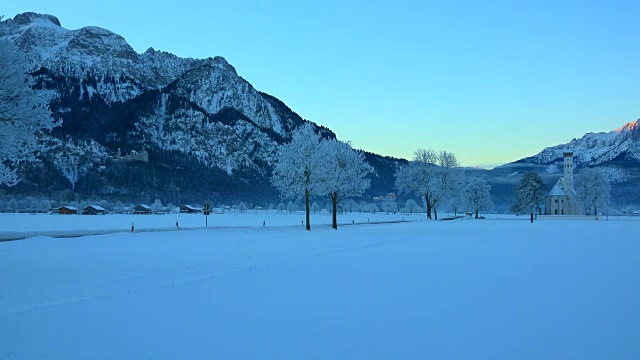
(192, 207)
(557, 189)
(96, 207)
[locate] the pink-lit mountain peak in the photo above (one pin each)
(600, 148)
(630, 126)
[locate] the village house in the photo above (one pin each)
(66, 210)
(188, 209)
(93, 210)
(142, 209)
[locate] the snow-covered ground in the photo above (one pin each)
(472, 289)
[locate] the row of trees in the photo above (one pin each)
(310, 166)
(439, 180)
(431, 175)
(409, 207)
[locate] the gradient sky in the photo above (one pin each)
(491, 81)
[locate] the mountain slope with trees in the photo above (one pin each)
(207, 132)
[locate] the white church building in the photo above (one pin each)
(562, 199)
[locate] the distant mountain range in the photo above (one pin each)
(617, 152)
(619, 147)
(208, 133)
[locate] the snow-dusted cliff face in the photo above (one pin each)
(121, 74)
(200, 107)
(196, 117)
(593, 149)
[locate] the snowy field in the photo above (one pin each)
(19, 226)
(463, 289)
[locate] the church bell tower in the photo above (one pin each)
(568, 171)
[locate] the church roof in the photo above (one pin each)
(557, 189)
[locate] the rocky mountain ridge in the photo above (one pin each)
(616, 152)
(195, 117)
(593, 149)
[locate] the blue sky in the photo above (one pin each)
(491, 81)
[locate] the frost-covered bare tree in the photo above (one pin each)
(173, 209)
(478, 194)
(429, 176)
(24, 114)
(529, 194)
(363, 206)
(373, 208)
(157, 206)
(354, 207)
(593, 189)
(298, 173)
(455, 199)
(344, 173)
(389, 206)
(346, 206)
(411, 206)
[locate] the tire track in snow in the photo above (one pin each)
(110, 281)
(313, 252)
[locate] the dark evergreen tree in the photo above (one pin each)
(529, 194)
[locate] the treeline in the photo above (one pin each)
(35, 204)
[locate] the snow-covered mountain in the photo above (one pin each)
(593, 149)
(187, 113)
(100, 66)
(616, 152)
